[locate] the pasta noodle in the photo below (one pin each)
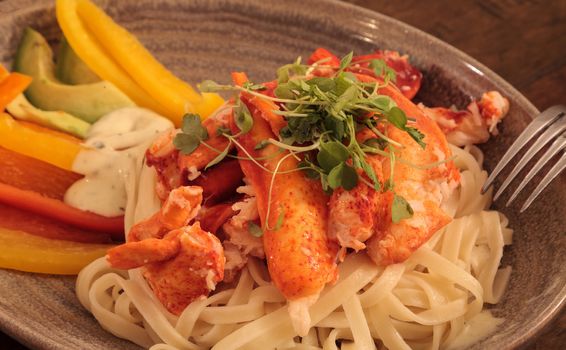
(433, 300)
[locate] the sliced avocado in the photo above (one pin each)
(70, 69)
(20, 108)
(88, 101)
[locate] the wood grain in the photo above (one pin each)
(524, 41)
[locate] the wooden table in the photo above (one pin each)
(524, 41)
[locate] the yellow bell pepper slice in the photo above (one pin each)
(128, 56)
(131, 55)
(93, 54)
(38, 142)
(26, 252)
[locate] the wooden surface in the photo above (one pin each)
(524, 41)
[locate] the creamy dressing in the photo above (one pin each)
(475, 329)
(116, 144)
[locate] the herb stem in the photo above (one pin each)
(271, 184)
(279, 144)
(383, 136)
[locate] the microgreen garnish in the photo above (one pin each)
(324, 116)
(254, 229)
(279, 221)
(380, 68)
(219, 157)
(256, 87)
(400, 209)
(345, 61)
(243, 117)
(342, 175)
(222, 130)
(261, 145)
(192, 135)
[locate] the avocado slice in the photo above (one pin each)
(70, 69)
(87, 101)
(20, 108)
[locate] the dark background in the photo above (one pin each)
(524, 41)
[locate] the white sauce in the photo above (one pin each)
(475, 329)
(118, 141)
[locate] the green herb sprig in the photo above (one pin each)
(324, 115)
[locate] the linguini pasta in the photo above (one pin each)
(434, 300)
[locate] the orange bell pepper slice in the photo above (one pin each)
(26, 252)
(21, 186)
(38, 142)
(11, 86)
(56, 209)
(20, 220)
(30, 174)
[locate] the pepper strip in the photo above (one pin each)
(93, 54)
(131, 55)
(56, 209)
(126, 55)
(38, 142)
(25, 252)
(11, 86)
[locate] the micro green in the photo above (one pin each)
(254, 229)
(400, 209)
(324, 116)
(192, 134)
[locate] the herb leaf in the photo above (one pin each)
(380, 68)
(400, 209)
(192, 135)
(261, 145)
(256, 87)
(283, 90)
(397, 117)
(346, 60)
(243, 117)
(186, 143)
(219, 157)
(335, 176)
(368, 169)
(348, 96)
(308, 168)
(331, 154)
(349, 177)
(279, 221)
(342, 175)
(209, 86)
(192, 126)
(416, 135)
(324, 84)
(254, 229)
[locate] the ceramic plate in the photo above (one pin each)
(207, 40)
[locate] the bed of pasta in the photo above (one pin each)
(435, 299)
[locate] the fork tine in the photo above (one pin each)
(543, 120)
(556, 169)
(543, 139)
(556, 146)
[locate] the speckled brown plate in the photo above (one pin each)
(200, 40)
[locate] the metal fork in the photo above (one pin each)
(553, 122)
